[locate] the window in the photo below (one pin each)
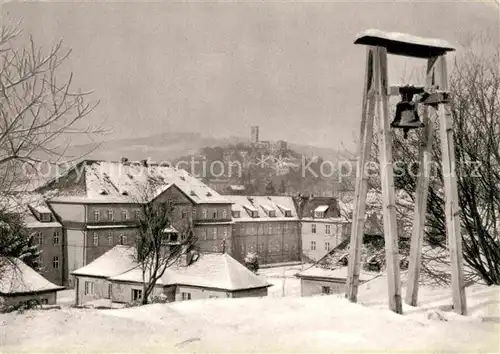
(224, 213)
(319, 214)
(285, 227)
(39, 260)
(261, 248)
(261, 229)
(236, 214)
(55, 237)
(286, 247)
(186, 296)
(225, 232)
(97, 215)
(214, 233)
(45, 217)
(313, 245)
(214, 214)
(39, 238)
(193, 213)
(327, 229)
(124, 215)
(204, 213)
(270, 228)
(204, 234)
(89, 288)
(136, 294)
(55, 262)
(123, 239)
(215, 248)
(110, 290)
(288, 213)
(96, 239)
(110, 238)
(325, 290)
(242, 248)
(313, 228)
(278, 246)
(327, 246)
(184, 213)
(111, 215)
(137, 215)
(44, 301)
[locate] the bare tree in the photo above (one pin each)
(39, 109)
(162, 240)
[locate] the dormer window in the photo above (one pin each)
(123, 192)
(320, 211)
(236, 213)
(288, 213)
(103, 192)
(255, 214)
(45, 217)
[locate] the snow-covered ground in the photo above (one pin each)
(272, 324)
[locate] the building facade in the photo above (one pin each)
(322, 227)
(267, 226)
(99, 205)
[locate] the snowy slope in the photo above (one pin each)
(292, 324)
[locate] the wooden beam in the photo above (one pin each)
(361, 187)
(422, 190)
(387, 177)
(451, 201)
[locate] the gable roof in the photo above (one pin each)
(279, 204)
(19, 278)
(210, 270)
(127, 182)
(117, 260)
(337, 273)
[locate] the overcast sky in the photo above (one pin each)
(290, 68)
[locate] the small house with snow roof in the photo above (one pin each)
(20, 283)
(117, 277)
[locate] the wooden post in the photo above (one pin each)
(361, 187)
(387, 177)
(451, 193)
(422, 190)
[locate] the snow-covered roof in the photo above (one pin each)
(26, 204)
(210, 270)
(19, 278)
(117, 260)
(321, 208)
(279, 204)
(338, 273)
(213, 270)
(111, 181)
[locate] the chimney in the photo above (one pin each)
(124, 160)
(144, 163)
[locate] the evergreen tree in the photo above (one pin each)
(16, 240)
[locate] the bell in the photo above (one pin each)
(406, 111)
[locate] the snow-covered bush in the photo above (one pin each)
(252, 261)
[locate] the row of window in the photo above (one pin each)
(211, 234)
(327, 246)
(328, 229)
(269, 228)
(122, 239)
(56, 238)
(110, 215)
(272, 247)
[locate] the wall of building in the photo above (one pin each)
(274, 242)
(315, 287)
(122, 291)
(49, 298)
(72, 213)
(100, 289)
(107, 238)
(75, 252)
(200, 293)
(51, 256)
(323, 241)
(249, 293)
